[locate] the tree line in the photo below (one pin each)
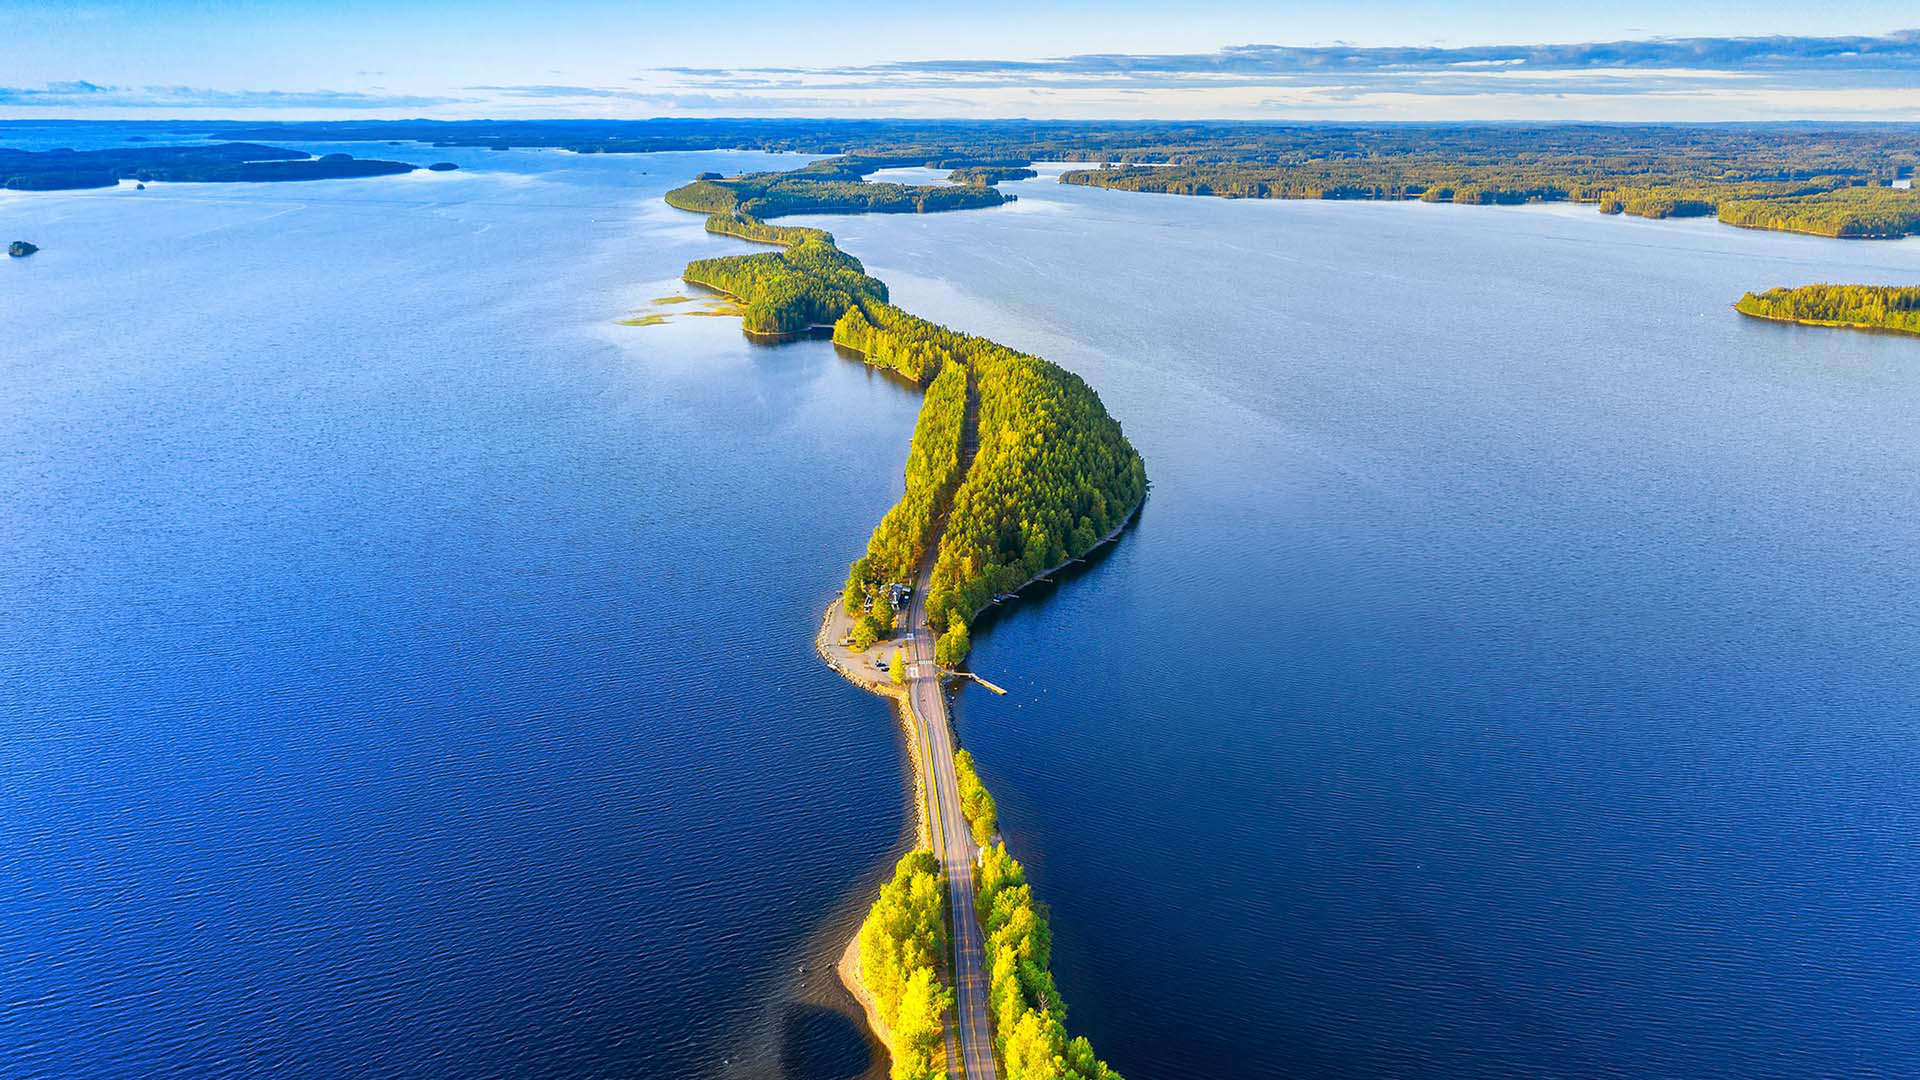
(811, 282)
(1052, 476)
(1029, 1019)
(1878, 307)
(903, 942)
(903, 535)
(976, 803)
(1803, 181)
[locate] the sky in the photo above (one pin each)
(1383, 61)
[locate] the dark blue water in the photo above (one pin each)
(405, 671)
(1516, 668)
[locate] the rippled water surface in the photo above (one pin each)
(406, 669)
(1516, 669)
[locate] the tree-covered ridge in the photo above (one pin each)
(1029, 1019)
(1052, 477)
(1877, 307)
(903, 536)
(902, 943)
(891, 338)
(746, 228)
(809, 283)
(1053, 474)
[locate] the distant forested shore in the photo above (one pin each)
(1859, 307)
(1839, 180)
(239, 162)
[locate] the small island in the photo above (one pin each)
(989, 175)
(20, 249)
(442, 166)
(1894, 309)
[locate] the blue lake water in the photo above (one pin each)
(405, 670)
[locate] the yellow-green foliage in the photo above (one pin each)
(1877, 306)
(902, 941)
(1029, 1019)
(891, 338)
(810, 283)
(702, 197)
(976, 803)
(954, 643)
(933, 471)
(749, 228)
(1053, 473)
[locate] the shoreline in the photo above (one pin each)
(834, 623)
(1829, 323)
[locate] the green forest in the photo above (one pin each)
(1029, 1019)
(902, 945)
(1828, 179)
(1874, 307)
(810, 283)
(1052, 476)
(976, 803)
(900, 540)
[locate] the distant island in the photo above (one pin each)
(1856, 307)
(20, 249)
(66, 170)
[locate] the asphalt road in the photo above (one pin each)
(952, 842)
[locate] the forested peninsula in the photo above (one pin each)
(1014, 467)
(1053, 475)
(64, 170)
(1857, 307)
